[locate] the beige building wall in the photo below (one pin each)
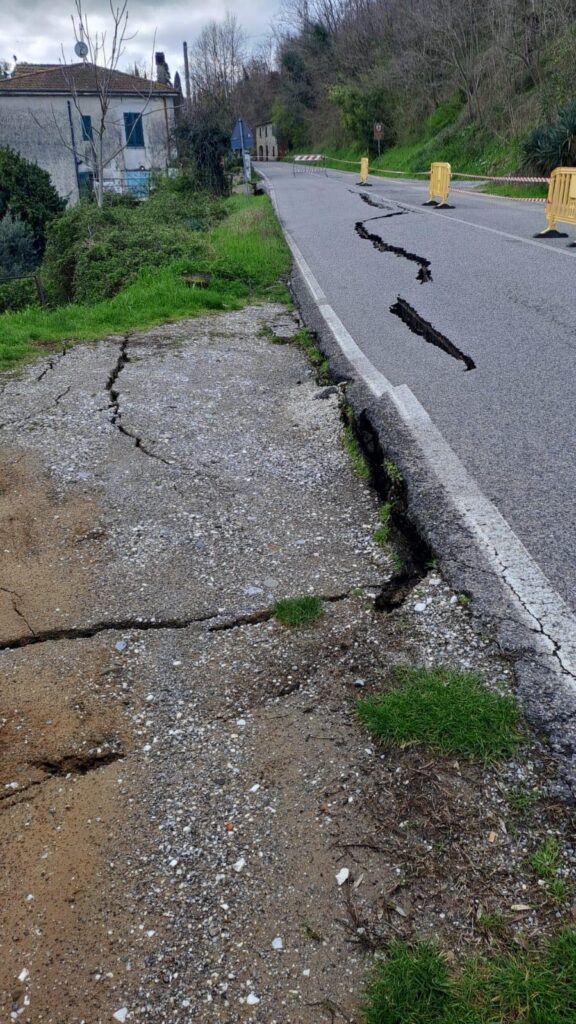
(266, 142)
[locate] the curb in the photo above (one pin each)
(479, 552)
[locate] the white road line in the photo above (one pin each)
(535, 601)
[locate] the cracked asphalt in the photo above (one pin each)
(502, 298)
(182, 778)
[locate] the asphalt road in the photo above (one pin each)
(505, 300)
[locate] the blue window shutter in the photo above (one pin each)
(134, 130)
(86, 128)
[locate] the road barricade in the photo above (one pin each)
(561, 202)
(439, 187)
(309, 162)
(363, 171)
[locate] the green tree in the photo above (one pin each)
(360, 108)
(27, 193)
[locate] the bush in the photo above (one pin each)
(15, 295)
(92, 253)
(17, 252)
(554, 145)
(27, 192)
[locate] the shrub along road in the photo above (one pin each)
(196, 824)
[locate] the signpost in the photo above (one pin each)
(242, 141)
(378, 134)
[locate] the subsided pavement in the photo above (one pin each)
(452, 328)
(181, 777)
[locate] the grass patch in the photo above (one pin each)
(414, 986)
(546, 859)
(452, 712)
(298, 611)
(516, 191)
(245, 254)
(352, 446)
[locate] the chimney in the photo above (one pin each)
(162, 69)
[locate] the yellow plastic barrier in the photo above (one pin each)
(561, 201)
(439, 187)
(363, 170)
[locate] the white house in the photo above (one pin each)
(50, 114)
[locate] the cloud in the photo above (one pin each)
(35, 31)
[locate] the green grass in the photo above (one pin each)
(413, 985)
(452, 712)
(352, 446)
(516, 191)
(468, 148)
(298, 611)
(546, 859)
(246, 257)
(382, 534)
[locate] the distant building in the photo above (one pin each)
(266, 142)
(48, 113)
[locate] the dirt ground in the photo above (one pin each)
(182, 779)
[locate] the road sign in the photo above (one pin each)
(378, 132)
(241, 137)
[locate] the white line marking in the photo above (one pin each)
(535, 601)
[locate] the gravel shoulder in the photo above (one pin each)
(182, 779)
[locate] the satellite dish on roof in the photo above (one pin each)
(81, 50)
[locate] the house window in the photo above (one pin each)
(134, 130)
(86, 128)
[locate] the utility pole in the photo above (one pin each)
(187, 77)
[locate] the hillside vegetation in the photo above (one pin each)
(488, 86)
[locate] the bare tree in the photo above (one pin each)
(218, 61)
(105, 140)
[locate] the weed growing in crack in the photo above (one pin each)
(298, 611)
(352, 446)
(392, 471)
(414, 986)
(302, 339)
(449, 711)
(382, 534)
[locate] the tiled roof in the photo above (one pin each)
(82, 78)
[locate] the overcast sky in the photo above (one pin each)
(35, 30)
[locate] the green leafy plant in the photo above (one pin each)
(27, 193)
(18, 254)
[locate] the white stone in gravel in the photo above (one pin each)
(255, 787)
(24, 975)
(359, 682)
(277, 943)
(120, 646)
(420, 606)
(240, 863)
(343, 876)
(252, 999)
(121, 1014)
